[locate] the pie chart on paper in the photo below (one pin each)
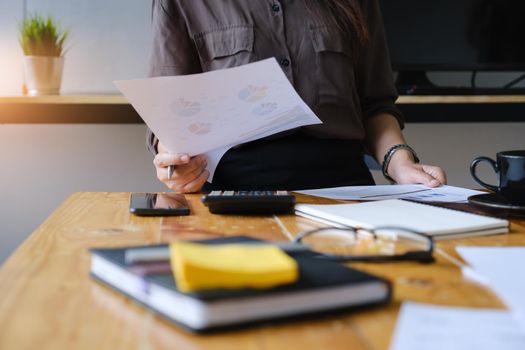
(199, 128)
(253, 93)
(185, 108)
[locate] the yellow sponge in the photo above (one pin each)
(202, 266)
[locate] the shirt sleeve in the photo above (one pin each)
(173, 51)
(375, 81)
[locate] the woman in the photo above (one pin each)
(333, 51)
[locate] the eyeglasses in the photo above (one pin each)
(382, 244)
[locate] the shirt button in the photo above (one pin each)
(285, 62)
(276, 8)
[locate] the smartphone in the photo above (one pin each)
(158, 204)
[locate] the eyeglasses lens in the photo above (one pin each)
(343, 242)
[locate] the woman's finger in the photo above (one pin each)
(436, 172)
(197, 184)
(161, 148)
(192, 169)
(166, 159)
(194, 185)
(183, 173)
(418, 175)
(415, 174)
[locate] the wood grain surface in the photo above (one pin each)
(48, 300)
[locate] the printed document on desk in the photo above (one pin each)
(432, 327)
(208, 113)
(504, 271)
(419, 193)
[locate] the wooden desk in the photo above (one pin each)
(48, 301)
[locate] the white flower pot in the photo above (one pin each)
(43, 74)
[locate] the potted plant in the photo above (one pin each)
(43, 45)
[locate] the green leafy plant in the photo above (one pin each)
(40, 36)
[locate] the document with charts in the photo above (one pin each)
(418, 193)
(208, 113)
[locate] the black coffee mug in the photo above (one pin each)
(511, 168)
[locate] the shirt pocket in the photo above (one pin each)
(225, 47)
(334, 73)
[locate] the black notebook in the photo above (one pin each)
(322, 286)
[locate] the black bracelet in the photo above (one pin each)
(390, 153)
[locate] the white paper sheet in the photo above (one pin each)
(421, 193)
(429, 327)
(209, 113)
(504, 270)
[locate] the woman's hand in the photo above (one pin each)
(404, 171)
(383, 131)
(189, 173)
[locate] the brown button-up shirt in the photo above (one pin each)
(194, 36)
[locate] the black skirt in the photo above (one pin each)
(292, 162)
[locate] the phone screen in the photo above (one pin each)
(158, 204)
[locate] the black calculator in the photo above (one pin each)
(249, 202)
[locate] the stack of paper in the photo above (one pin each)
(504, 271)
(429, 327)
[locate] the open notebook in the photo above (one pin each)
(439, 223)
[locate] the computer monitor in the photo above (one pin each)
(454, 35)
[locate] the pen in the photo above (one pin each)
(170, 171)
(146, 254)
(162, 253)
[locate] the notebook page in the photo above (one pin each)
(416, 216)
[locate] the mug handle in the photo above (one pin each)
(473, 167)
